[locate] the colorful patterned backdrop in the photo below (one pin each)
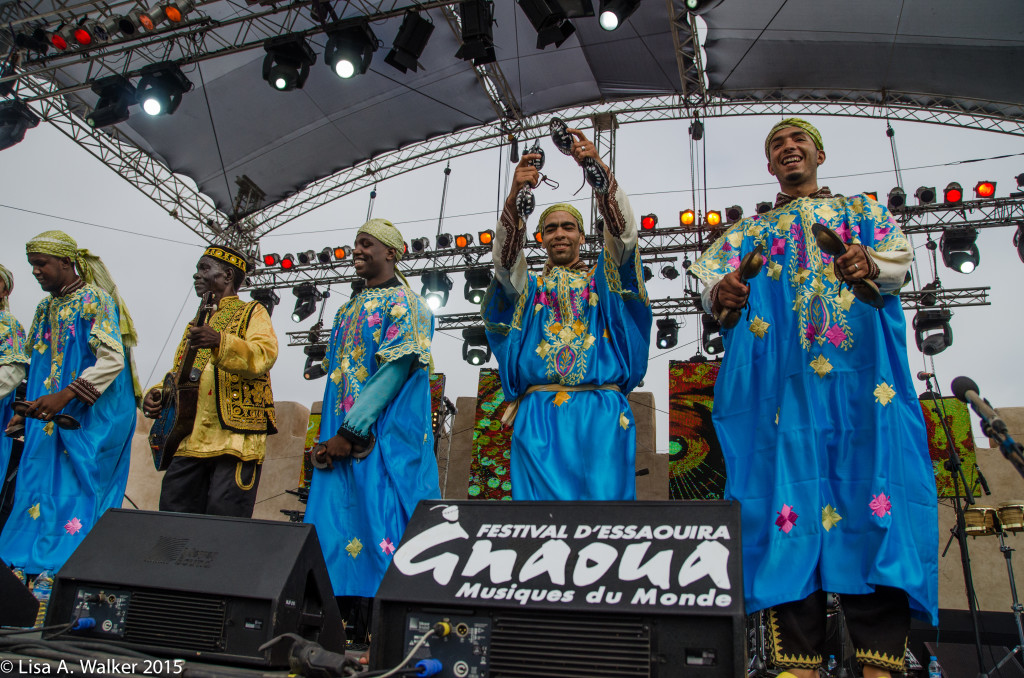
(959, 421)
(488, 471)
(696, 468)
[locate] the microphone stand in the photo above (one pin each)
(956, 471)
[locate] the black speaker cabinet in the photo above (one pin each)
(195, 586)
(19, 606)
(566, 589)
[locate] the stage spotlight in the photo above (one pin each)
(315, 354)
(161, 88)
(897, 198)
(613, 13)
(872, 194)
(711, 335)
(668, 332)
(538, 237)
(62, 37)
(477, 17)
(648, 222)
(420, 245)
(443, 241)
(436, 286)
(648, 273)
(549, 20)
(733, 214)
(953, 194)
(932, 332)
(307, 257)
(463, 240)
(713, 218)
(959, 250)
(271, 259)
(130, 23)
(1018, 241)
(36, 41)
(175, 10)
(925, 195)
(306, 298)
(325, 255)
(477, 280)
(350, 50)
(701, 6)
(475, 349)
(669, 272)
(15, 118)
(687, 264)
(929, 296)
(1020, 187)
(116, 95)
(485, 237)
(696, 130)
(84, 32)
(686, 218)
(267, 297)
(764, 207)
(287, 262)
(286, 65)
(985, 189)
(342, 252)
(410, 42)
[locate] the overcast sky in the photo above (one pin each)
(48, 182)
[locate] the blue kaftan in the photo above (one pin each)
(824, 441)
(361, 506)
(12, 352)
(573, 327)
(67, 479)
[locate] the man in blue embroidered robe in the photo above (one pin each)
(571, 342)
(80, 367)
(823, 436)
(375, 460)
(13, 367)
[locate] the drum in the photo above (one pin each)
(1011, 516)
(980, 521)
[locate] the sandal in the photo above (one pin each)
(830, 243)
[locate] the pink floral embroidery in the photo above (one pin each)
(880, 505)
(347, 403)
(542, 298)
(374, 319)
(778, 246)
(810, 331)
(73, 526)
(726, 246)
(844, 232)
(585, 294)
(391, 333)
(881, 232)
(386, 546)
(835, 334)
(787, 518)
(734, 263)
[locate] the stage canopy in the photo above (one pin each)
(930, 60)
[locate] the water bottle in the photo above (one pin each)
(831, 666)
(934, 668)
(41, 588)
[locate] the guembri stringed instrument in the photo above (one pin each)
(180, 398)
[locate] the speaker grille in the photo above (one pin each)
(558, 646)
(170, 619)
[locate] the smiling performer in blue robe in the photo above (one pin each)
(571, 342)
(377, 399)
(80, 367)
(823, 436)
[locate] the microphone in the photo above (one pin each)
(966, 390)
(925, 376)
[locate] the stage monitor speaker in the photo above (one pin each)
(567, 589)
(19, 607)
(193, 586)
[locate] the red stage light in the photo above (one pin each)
(287, 262)
(58, 41)
(173, 13)
(648, 222)
(985, 189)
(687, 218)
(82, 36)
(146, 21)
(953, 193)
(486, 237)
(269, 259)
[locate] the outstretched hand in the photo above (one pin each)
(525, 174)
(582, 148)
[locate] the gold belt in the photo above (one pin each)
(513, 407)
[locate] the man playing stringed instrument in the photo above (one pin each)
(216, 469)
(818, 419)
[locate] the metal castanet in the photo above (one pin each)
(829, 242)
(525, 202)
(749, 267)
(595, 175)
(64, 421)
(179, 398)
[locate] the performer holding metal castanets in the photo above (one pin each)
(215, 470)
(570, 341)
(817, 415)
